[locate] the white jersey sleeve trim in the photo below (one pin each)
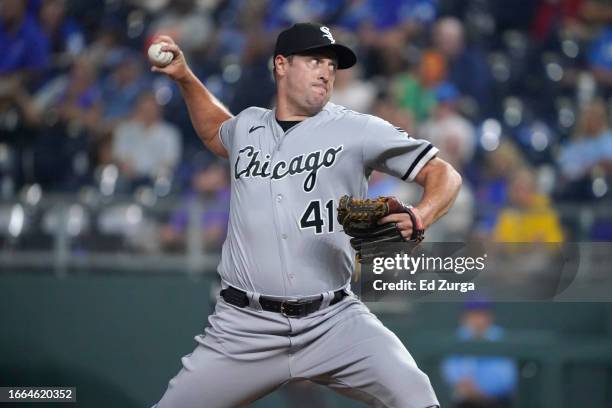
(426, 154)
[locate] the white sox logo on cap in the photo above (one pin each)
(327, 34)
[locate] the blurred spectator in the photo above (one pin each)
(67, 114)
(600, 59)
(528, 216)
(454, 135)
(596, 11)
(57, 127)
(210, 185)
(416, 91)
(25, 47)
(105, 46)
(146, 146)
(590, 149)
(74, 96)
(184, 21)
(254, 69)
(283, 13)
(492, 184)
(480, 381)
(553, 17)
(75, 70)
(468, 68)
(65, 37)
(384, 28)
(122, 87)
(386, 108)
(352, 92)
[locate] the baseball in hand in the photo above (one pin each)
(158, 57)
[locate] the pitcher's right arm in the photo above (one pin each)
(207, 113)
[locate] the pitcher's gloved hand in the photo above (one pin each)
(360, 219)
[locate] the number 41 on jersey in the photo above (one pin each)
(312, 216)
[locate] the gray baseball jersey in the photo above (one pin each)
(283, 238)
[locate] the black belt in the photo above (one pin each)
(288, 308)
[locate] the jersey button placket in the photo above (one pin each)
(278, 197)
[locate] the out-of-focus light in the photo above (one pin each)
(500, 67)
(539, 140)
(80, 163)
(214, 83)
(109, 179)
(492, 125)
(513, 111)
(546, 178)
(4, 154)
(482, 20)
(33, 194)
(570, 48)
(89, 196)
(567, 118)
(586, 88)
(162, 186)
(489, 141)
(154, 6)
(554, 71)
(491, 134)
(516, 42)
(135, 23)
(145, 196)
(77, 220)
(16, 221)
(600, 187)
(133, 214)
(232, 73)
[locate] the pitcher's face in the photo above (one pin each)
(309, 80)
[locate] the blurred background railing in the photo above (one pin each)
(65, 232)
(144, 233)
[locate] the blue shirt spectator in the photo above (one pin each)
(468, 67)
(485, 381)
(283, 13)
(494, 376)
(64, 33)
(591, 144)
(600, 54)
(210, 184)
(123, 86)
(578, 157)
(388, 14)
(24, 45)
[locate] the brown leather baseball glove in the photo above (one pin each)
(359, 217)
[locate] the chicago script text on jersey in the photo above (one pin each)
(249, 163)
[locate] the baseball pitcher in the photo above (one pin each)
(286, 311)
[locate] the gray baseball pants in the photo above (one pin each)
(248, 353)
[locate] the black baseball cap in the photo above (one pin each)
(302, 37)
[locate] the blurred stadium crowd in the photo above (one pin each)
(516, 96)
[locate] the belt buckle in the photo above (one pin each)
(292, 303)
